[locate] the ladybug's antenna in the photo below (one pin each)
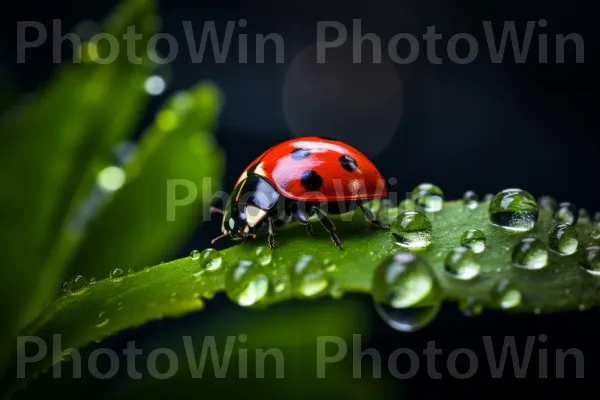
(217, 238)
(215, 210)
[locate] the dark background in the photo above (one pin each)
(480, 126)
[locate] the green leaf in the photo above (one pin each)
(177, 151)
(173, 289)
(52, 142)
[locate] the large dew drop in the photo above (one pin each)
(460, 264)
(428, 197)
(116, 274)
(263, 255)
(567, 213)
(563, 239)
(530, 254)
(590, 260)
(246, 283)
(77, 284)
(309, 277)
(195, 255)
(473, 239)
(514, 209)
(412, 230)
(211, 259)
(405, 292)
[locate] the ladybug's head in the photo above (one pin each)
(248, 207)
(241, 221)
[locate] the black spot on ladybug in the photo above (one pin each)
(311, 180)
(300, 154)
(348, 163)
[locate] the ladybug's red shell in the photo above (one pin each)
(318, 169)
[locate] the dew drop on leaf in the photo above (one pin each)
(246, 283)
(116, 273)
(102, 320)
(507, 296)
(548, 203)
(263, 255)
(590, 260)
(77, 284)
(514, 209)
(211, 259)
(594, 234)
(473, 239)
(428, 196)
(460, 264)
(584, 215)
(567, 213)
(405, 292)
(412, 230)
(119, 306)
(309, 278)
(195, 255)
(563, 239)
(530, 254)
(470, 199)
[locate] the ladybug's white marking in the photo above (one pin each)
(254, 215)
(259, 170)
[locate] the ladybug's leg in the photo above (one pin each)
(372, 219)
(271, 239)
(328, 225)
(300, 217)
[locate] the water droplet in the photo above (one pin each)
(119, 306)
(309, 278)
(263, 255)
(510, 299)
(428, 196)
(146, 269)
(584, 215)
(408, 319)
(473, 239)
(195, 255)
(116, 273)
(514, 209)
(111, 179)
(102, 320)
(460, 264)
(590, 260)
(405, 292)
(548, 203)
(507, 296)
(567, 213)
(563, 239)
(92, 281)
(211, 259)
(582, 307)
(470, 199)
(64, 287)
(406, 205)
(597, 216)
(77, 284)
(246, 283)
(530, 254)
(594, 234)
(471, 308)
(488, 197)
(412, 230)
(336, 292)
(155, 85)
(130, 271)
(278, 286)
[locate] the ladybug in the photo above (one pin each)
(297, 179)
